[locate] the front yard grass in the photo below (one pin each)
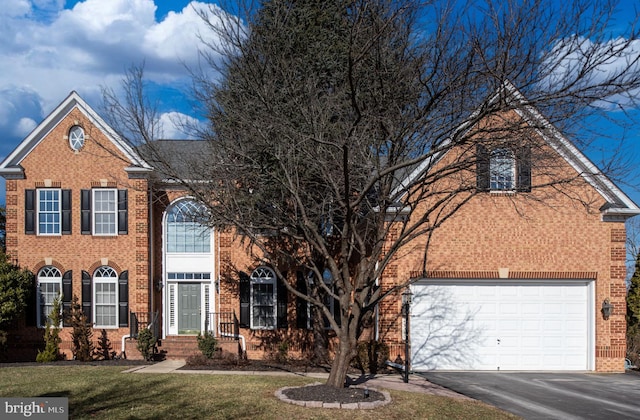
(98, 392)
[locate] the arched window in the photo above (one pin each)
(105, 289)
(263, 298)
(49, 287)
(185, 231)
(502, 166)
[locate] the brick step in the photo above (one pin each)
(178, 347)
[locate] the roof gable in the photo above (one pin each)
(10, 167)
(619, 206)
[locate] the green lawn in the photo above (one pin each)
(107, 393)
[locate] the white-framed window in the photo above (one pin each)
(185, 230)
(105, 212)
(502, 167)
(49, 288)
(105, 290)
(263, 299)
(76, 137)
(49, 211)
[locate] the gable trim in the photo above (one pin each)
(10, 167)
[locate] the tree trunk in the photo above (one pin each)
(340, 365)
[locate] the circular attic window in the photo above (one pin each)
(76, 137)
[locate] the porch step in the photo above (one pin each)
(179, 347)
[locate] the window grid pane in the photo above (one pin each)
(106, 297)
(185, 231)
(104, 212)
(263, 299)
(502, 170)
(49, 284)
(49, 212)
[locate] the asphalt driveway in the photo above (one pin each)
(563, 396)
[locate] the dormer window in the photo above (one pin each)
(76, 137)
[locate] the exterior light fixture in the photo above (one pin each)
(159, 285)
(607, 309)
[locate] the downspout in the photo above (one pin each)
(243, 343)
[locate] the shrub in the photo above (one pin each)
(16, 288)
(52, 339)
(146, 343)
(104, 350)
(371, 356)
(207, 344)
(82, 333)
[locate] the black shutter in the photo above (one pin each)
(482, 168)
(283, 297)
(123, 299)
(302, 306)
(67, 295)
(85, 212)
(66, 212)
(523, 169)
(123, 218)
(31, 313)
(245, 299)
(30, 212)
(86, 296)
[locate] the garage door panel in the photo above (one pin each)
(506, 326)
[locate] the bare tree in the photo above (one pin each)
(339, 133)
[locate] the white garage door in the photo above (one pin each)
(499, 325)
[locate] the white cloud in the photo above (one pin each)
(15, 8)
(91, 45)
(176, 125)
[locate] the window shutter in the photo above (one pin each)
(85, 212)
(30, 212)
(482, 168)
(523, 169)
(283, 297)
(67, 294)
(123, 218)
(86, 296)
(31, 314)
(302, 306)
(123, 299)
(245, 299)
(66, 212)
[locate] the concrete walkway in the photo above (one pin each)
(394, 382)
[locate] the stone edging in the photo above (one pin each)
(319, 404)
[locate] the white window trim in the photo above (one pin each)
(39, 212)
(258, 278)
(94, 211)
(76, 137)
(180, 205)
(102, 280)
(506, 154)
(48, 279)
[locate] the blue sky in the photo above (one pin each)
(51, 47)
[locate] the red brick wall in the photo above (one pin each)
(98, 162)
(549, 233)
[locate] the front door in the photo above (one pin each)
(189, 314)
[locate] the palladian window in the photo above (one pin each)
(186, 231)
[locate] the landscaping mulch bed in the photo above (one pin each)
(328, 394)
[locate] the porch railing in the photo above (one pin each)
(223, 325)
(142, 320)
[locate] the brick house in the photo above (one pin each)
(515, 280)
